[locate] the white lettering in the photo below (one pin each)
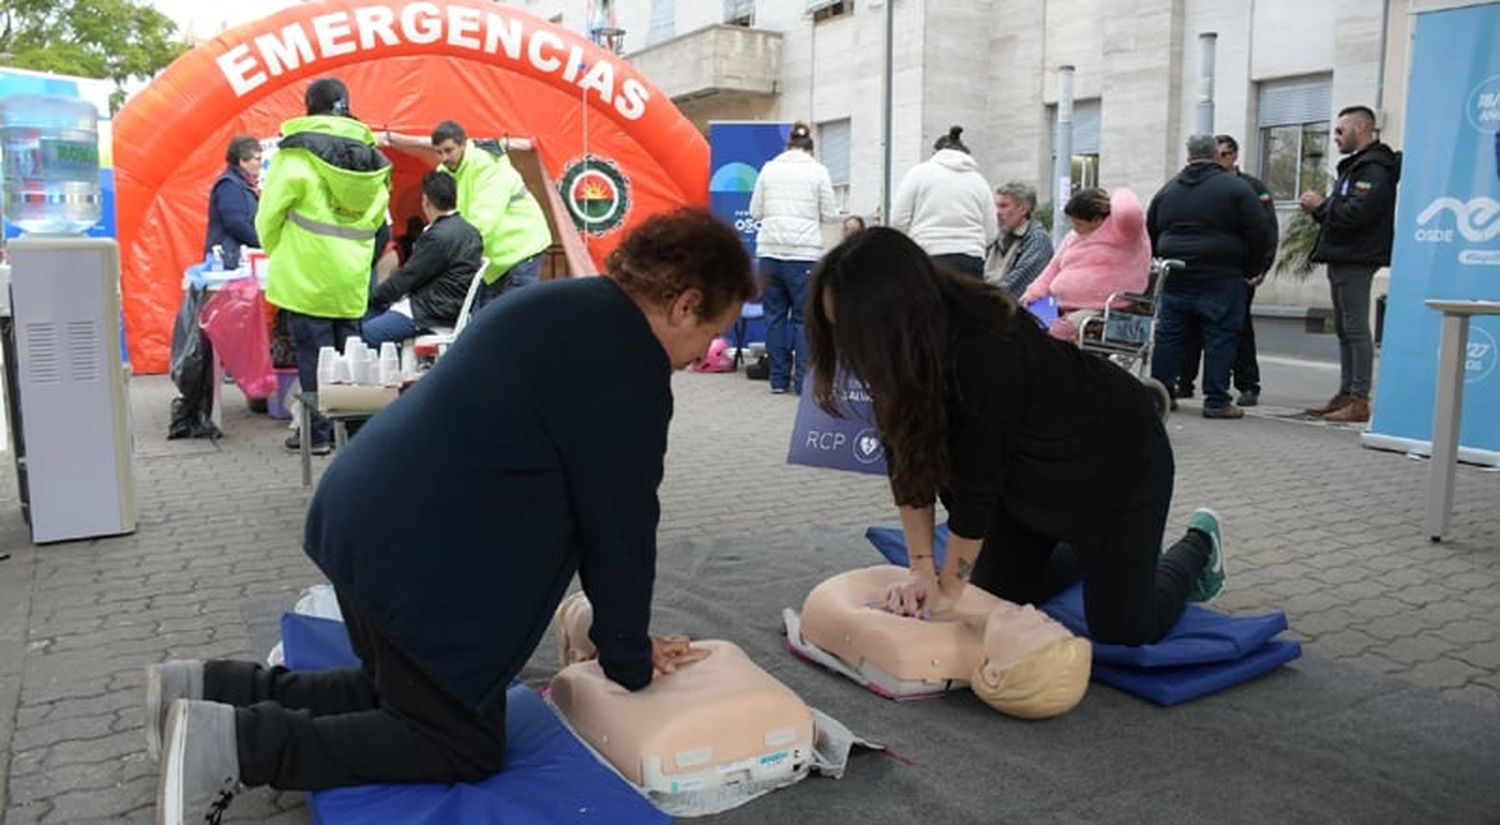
(375, 21)
(422, 23)
(575, 64)
(1435, 235)
(817, 440)
(237, 65)
(334, 33)
(631, 103)
(1473, 365)
(287, 53)
(542, 39)
(503, 34)
(601, 77)
(463, 27)
(1477, 350)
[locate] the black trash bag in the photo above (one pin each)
(192, 372)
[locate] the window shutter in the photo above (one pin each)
(833, 149)
(1294, 101)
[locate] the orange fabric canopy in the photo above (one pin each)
(616, 146)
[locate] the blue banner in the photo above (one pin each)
(848, 443)
(1447, 232)
(737, 151)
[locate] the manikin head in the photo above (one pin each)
(450, 140)
(1034, 668)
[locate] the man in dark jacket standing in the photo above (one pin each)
(233, 201)
(1358, 221)
(1213, 222)
(428, 291)
(1246, 370)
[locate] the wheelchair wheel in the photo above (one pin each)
(1160, 397)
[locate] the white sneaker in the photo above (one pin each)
(200, 772)
(165, 683)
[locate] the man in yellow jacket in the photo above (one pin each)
(323, 203)
(493, 197)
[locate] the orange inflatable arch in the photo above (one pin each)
(615, 146)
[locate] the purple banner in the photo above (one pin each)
(850, 443)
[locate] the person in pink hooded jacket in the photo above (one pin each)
(1108, 251)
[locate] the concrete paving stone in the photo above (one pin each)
(58, 780)
(1347, 642)
(1471, 581)
(28, 738)
(1474, 692)
(1442, 673)
(1371, 660)
(27, 814)
(1437, 614)
(1341, 575)
(121, 802)
(1469, 632)
(1364, 589)
(1484, 655)
(1373, 607)
(1407, 577)
(1410, 650)
(1390, 628)
(1423, 595)
(1321, 622)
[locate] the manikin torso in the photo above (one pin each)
(718, 721)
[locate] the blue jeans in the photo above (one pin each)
(525, 273)
(311, 334)
(786, 293)
(389, 326)
(1215, 307)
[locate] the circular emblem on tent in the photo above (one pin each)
(597, 194)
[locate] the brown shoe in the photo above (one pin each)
(1355, 412)
(1227, 411)
(1334, 403)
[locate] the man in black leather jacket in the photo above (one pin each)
(428, 291)
(1358, 221)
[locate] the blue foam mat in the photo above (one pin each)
(1206, 652)
(549, 776)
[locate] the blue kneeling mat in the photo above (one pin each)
(1206, 652)
(549, 776)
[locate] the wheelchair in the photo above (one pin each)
(1126, 334)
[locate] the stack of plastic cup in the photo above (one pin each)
(390, 365)
(327, 365)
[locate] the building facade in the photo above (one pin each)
(1281, 71)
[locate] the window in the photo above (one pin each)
(828, 9)
(1294, 125)
(1085, 166)
(739, 12)
(663, 21)
(833, 150)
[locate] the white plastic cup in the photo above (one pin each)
(342, 370)
(327, 357)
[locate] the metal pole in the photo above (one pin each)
(1207, 43)
(890, 39)
(1062, 150)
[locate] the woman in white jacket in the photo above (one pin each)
(945, 205)
(793, 195)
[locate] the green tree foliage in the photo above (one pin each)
(113, 39)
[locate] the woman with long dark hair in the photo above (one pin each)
(1029, 442)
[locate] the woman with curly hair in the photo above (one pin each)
(1029, 442)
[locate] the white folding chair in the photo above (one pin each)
(446, 335)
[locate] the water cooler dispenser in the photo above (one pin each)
(67, 388)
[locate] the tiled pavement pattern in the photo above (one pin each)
(1327, 531)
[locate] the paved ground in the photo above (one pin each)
(1319, 527)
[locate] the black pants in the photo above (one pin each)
(311, 334)
(383, 722)
(1131, 595)
(1246, 370)
(967, 264)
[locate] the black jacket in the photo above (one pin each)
(1359, 218)
(437, 275)
(231, 216)
(456, 520)
(1268, 206)
(1212, 221)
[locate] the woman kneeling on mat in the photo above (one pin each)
(452, 527)
(1028, 441)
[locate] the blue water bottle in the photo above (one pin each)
(50, 146)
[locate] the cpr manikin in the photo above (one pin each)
(720, 721)
(1016, 659)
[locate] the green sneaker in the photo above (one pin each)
(1211, 580)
